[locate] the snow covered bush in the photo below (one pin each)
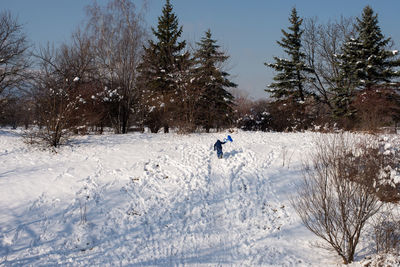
(335, 200)
(381, 260)
(256, 118)
(379, 161)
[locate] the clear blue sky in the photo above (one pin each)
(247, 30)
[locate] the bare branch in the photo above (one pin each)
(13, 52)
(322, 42)
(336, 198)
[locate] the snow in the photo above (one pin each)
(155, 200)
(390, 259)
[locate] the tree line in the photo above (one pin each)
(341, 72)
(114, 73)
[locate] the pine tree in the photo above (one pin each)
(292, 72)
(365, 63)
(375, 64)
(215, 104)
(163, 61)
(347, 80)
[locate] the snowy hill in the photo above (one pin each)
(155, 200)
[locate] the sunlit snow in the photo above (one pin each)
(155, 200)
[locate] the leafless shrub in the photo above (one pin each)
(386, 232)
(286, 157)
(376, 108)
(30, 138)
(333, 202)
(56, 92)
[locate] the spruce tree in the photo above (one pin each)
(375, 63)
(163, 61)
(365, 63)
(365, 60)
(292, 72)
(215, 103)
(347, 80)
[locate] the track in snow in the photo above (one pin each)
(158, 200)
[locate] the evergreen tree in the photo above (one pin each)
(347, 80)
(365, 63)
(215, 103)
(292, 72)
(375, 64)
(163, 61)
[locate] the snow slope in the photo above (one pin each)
(155, 200)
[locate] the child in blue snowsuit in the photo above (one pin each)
(218, 147)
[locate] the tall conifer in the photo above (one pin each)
(216, 102)
(163, 61)
(375, 63)
(365, 63)
(347, 79)
(365, 60)
(292, 72)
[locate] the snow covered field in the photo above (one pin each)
(155, 200)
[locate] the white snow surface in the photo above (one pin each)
(155, 200)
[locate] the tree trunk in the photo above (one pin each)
(166, 129)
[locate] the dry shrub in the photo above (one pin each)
(376, 108)
(290, 115)
(375, 169)
(185, 127)
(382, 260)
(386, 232)
(387, 162)
(334, 201)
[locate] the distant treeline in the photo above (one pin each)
(115, 73)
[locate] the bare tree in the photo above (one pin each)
(53, 103)
(60, 88)
(243, 103)
(76, 59)
(117, 33)
(13, 53)
(321, 43)
(334, 201)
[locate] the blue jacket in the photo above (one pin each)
(218, 146)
